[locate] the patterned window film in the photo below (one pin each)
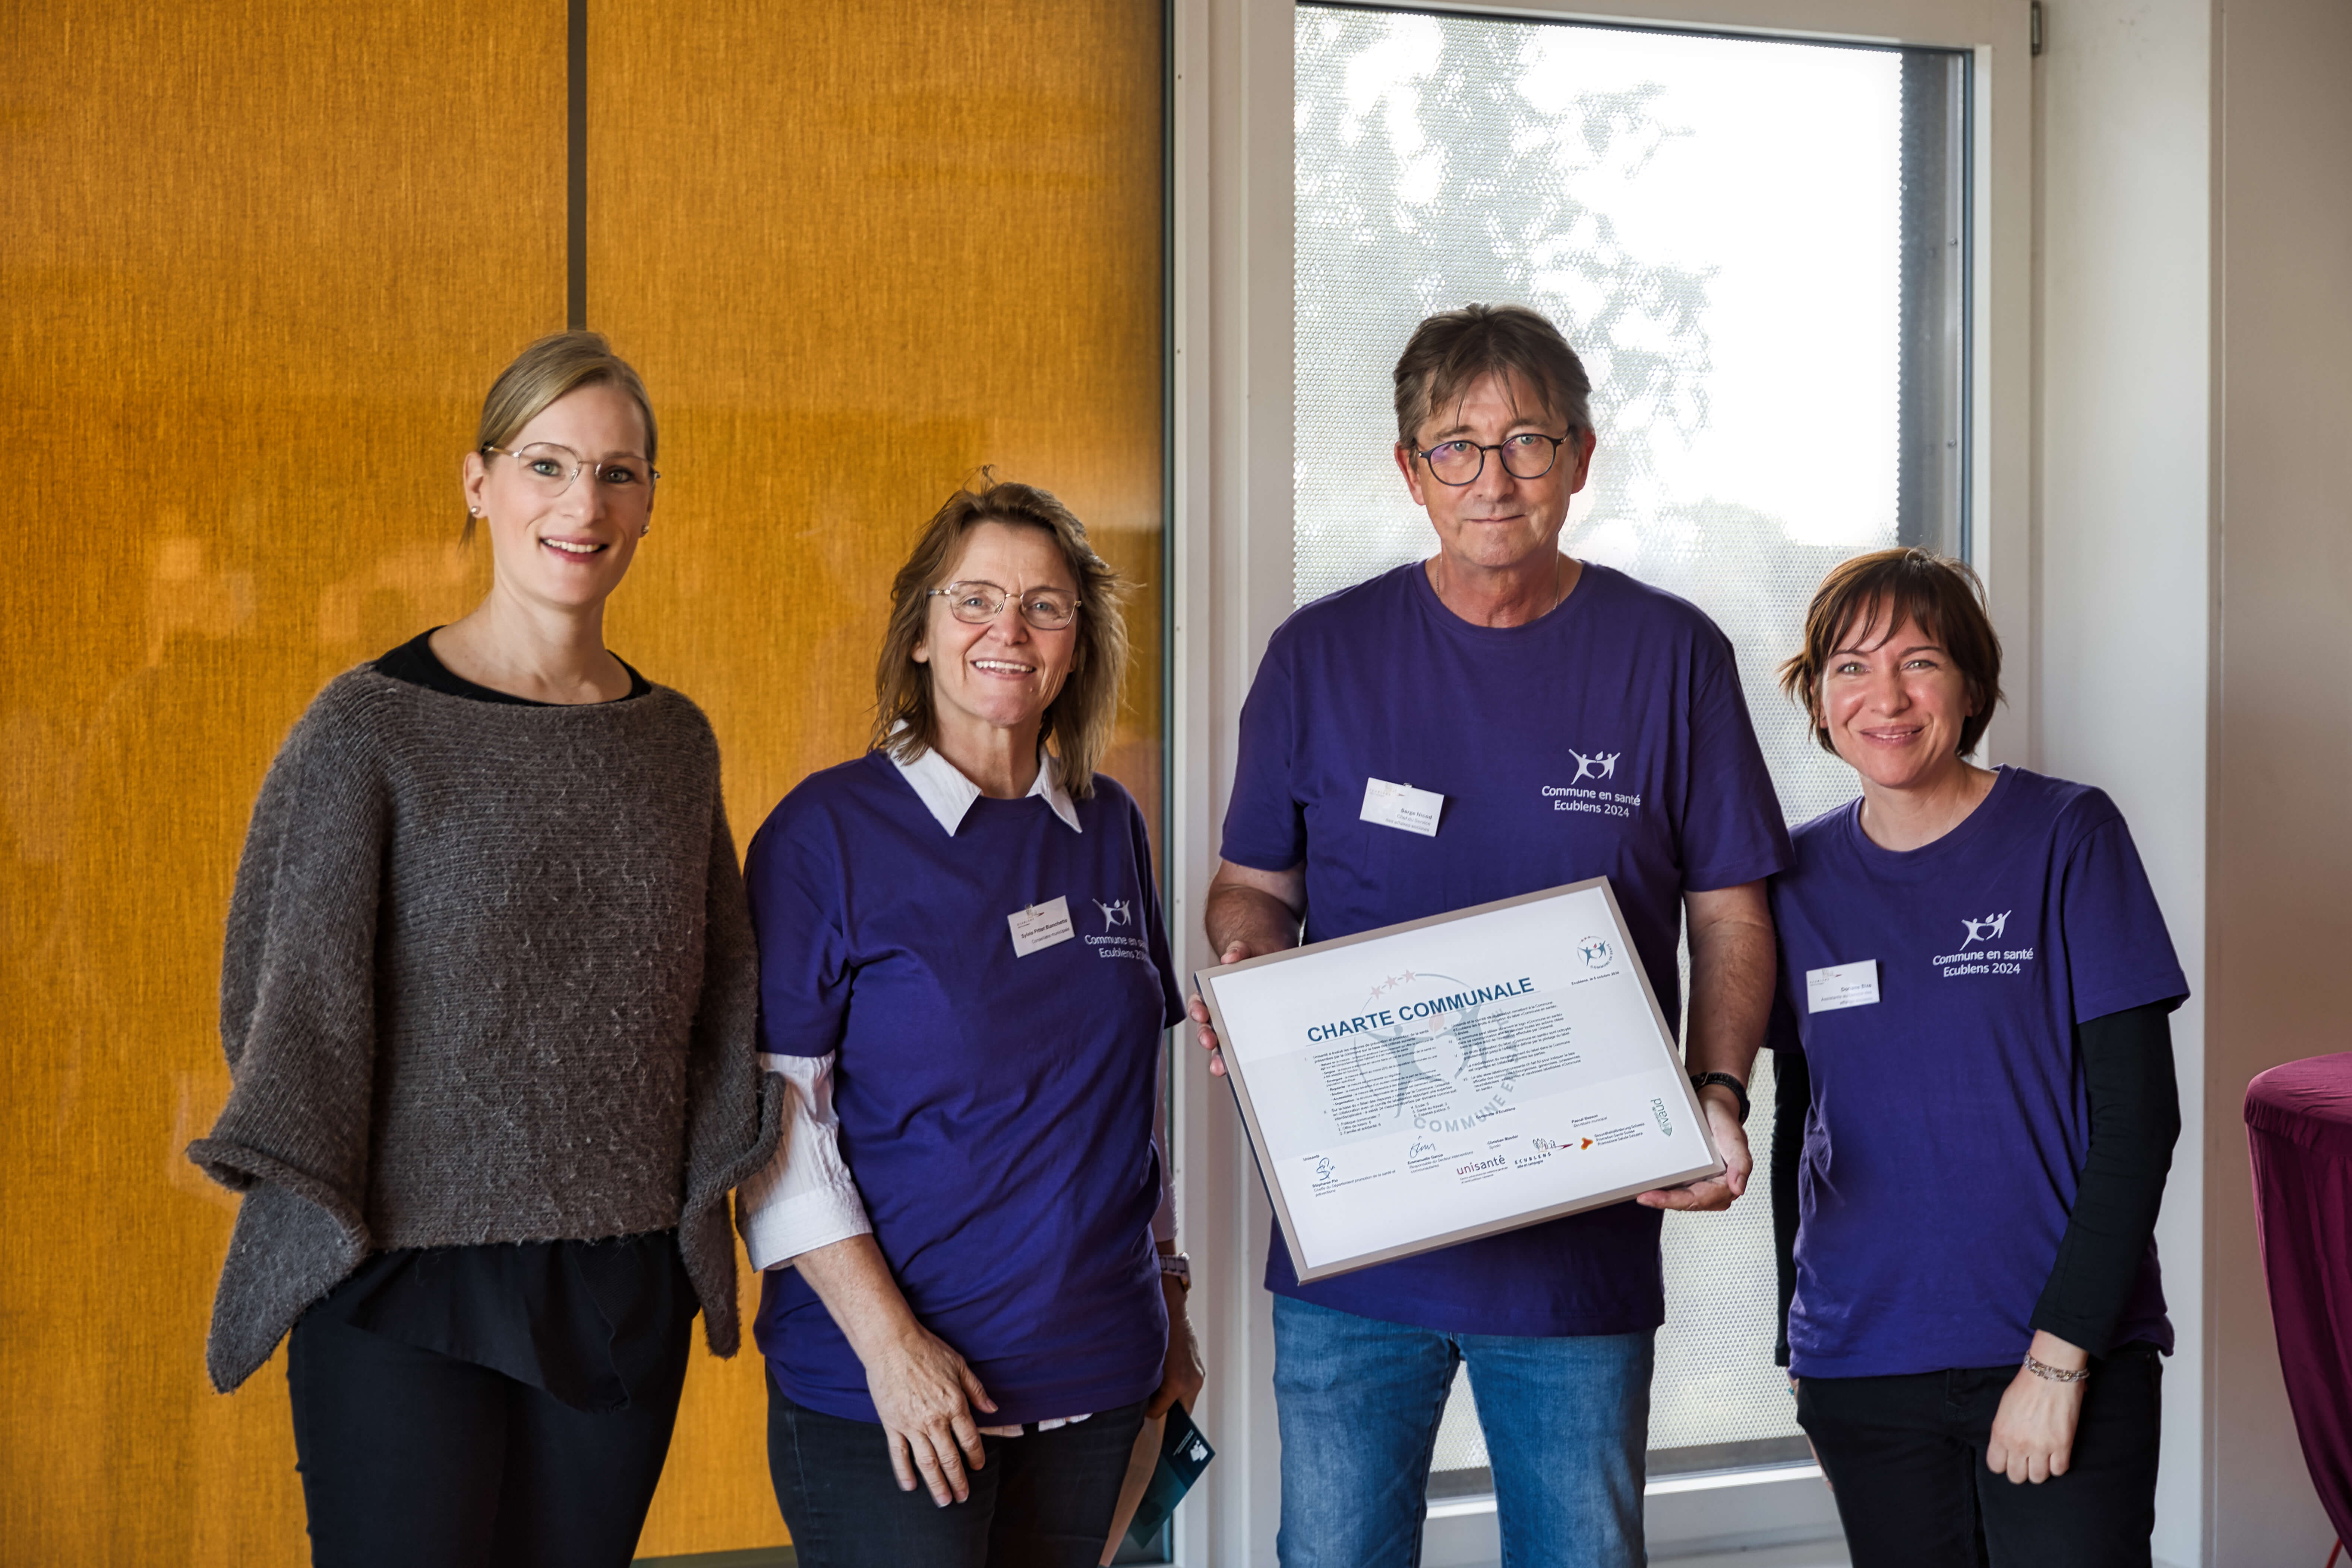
(1758, 248)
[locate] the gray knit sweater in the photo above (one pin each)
(488, 977)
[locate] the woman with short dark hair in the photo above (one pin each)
(488, 1001)
(1977, 1109)
(974, 1301)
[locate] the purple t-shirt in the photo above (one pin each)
(1608, 738)
(1949, 1124)
(995, 1111)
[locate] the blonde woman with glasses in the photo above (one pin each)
(488, 1001)
(973, 1300)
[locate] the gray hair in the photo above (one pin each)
(1452, 349)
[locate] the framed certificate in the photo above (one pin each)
(1428, 1083)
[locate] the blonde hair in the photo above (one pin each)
(557, 365)
(1084, 714)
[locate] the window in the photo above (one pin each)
(1759, 247)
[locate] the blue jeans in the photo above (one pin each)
(1567, 1421)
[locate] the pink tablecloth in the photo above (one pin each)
(2299, 1124)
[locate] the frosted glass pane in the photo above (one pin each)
(1722, 228)
(1716, 1381)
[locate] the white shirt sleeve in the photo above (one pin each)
(805, 1198)
(1163, 1222)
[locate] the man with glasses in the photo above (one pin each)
(1576, 723)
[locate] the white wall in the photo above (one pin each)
(2124, 518)
(1231, 65)
(2281, 742)
(2193, 393)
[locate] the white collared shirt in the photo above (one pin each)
(942, 788)
(806, 1198)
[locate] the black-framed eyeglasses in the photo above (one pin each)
(1047, 609)
(552, 469)
(1529, 454)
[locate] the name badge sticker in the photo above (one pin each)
(1041, 925)
(1841, 985)
(1402, 806)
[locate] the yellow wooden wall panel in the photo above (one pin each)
(859, 248)
(258, 261)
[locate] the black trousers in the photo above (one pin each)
(1044, 1499)
(1906, 1457)
(409, 1456)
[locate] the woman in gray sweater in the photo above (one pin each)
(489, 1002)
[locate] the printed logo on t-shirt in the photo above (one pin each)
(1990, 927)
(1978, 953)
(1583, 793)
(1117, 912)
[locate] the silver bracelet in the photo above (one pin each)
(2043, 1370)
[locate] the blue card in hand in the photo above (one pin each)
(1183, 1454)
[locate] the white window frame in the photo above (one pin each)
(1233, 283)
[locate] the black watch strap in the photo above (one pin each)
(1739, 1089)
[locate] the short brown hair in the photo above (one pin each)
(1942, 596)
(1455, 348)
(557, 365)
(1084, 714)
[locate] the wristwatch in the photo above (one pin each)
(1739, 1089)
(1178, 1267)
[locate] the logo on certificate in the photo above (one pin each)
(1596, 951)
(1440, 1054)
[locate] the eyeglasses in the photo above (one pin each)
(1527, 456)
(1047, 609)
(552, 469)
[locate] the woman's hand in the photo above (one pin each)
(922, 1390)
(2033, 1431)
(1182, 1374)
(926, 1394)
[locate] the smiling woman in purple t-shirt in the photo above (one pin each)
(1977, 1109)
(973, 1301)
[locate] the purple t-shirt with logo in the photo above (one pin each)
(1949, 1124)
(1608, 738)
(995, 1109)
